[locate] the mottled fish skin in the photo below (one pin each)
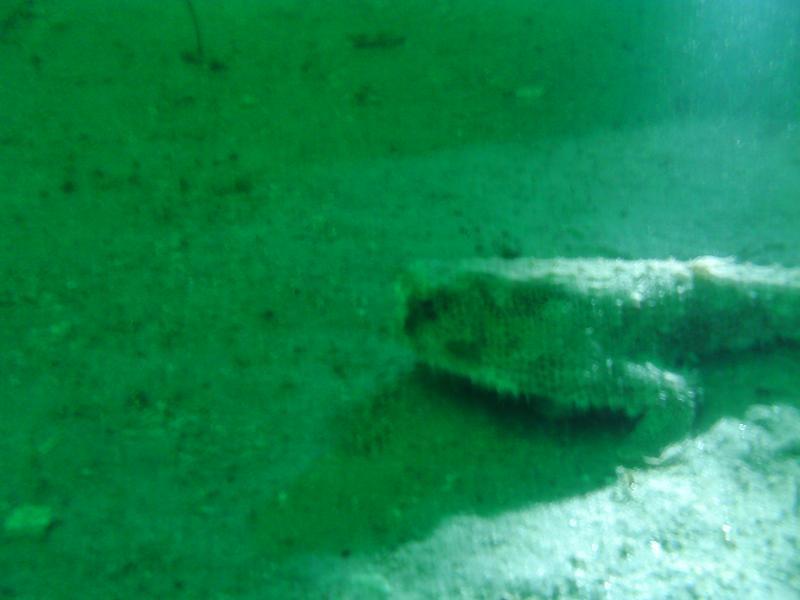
(574, 335)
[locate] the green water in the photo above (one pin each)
(204, 207)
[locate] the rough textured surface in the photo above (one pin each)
(583, 334)
(691, 528)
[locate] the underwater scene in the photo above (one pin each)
(421, 299)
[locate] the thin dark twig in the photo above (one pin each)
(199, 52)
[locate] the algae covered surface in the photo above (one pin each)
(204, 211)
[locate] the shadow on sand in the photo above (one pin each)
(428, 447)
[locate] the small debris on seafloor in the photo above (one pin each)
(530, 94)
(29, 521)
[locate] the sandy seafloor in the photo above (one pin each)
(202, 382)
